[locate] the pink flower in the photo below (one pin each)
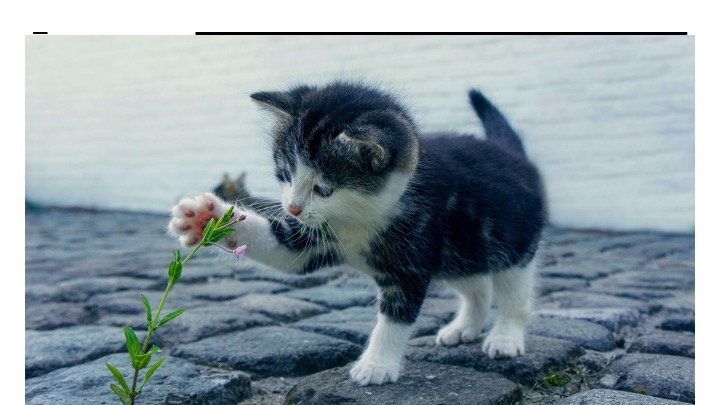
(240, 251)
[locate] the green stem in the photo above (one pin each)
(193, 252)
(229, 224)
(151, 329)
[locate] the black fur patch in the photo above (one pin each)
(288, 233)
(314, 119)
(320, 260)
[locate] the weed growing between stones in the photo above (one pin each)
(140, 356)
(579, 375)
(554, 380)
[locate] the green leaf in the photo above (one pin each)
(148, 310)
(303, 229)
(209, 228)
(150, 373)
(124, 397)
(223, 232)
(169, 317)
(217, 235)
(177, 255)
(174, 271)
(144, 359)
(226, 217)
(118, 377)
(133, 344)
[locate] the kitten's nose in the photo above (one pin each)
(294, 211)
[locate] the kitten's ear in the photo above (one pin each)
(367, 151)
(278, 102)
(283, 103)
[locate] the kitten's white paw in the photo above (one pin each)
(499, 345)
(192, 214)
(370, 373)
(454, 334)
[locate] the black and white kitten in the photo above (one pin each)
(398, 207)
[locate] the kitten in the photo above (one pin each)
(235, 192)
(400, 208)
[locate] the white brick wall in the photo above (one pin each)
(136, 122)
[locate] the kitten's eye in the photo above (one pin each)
(322, 191)
(287, 176)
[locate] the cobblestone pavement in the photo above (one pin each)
(614, 323)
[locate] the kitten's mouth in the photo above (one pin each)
(311, 222)
(307, 221)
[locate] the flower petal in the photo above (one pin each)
(240, 251)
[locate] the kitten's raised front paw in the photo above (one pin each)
(454, 334)
(192, 214)
(498, 345)
(370, 373)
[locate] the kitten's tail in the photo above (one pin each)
(496, 126)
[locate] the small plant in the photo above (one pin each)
(140, 356)
(559, 379)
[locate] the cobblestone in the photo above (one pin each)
(684, 324)
(612, 318)
(610, 397)
(586, 334)
(46, 351)
(271, 351)
(425, 383)
(53, 315)
(615, 319)
(356, 323)
(662, 342)
(542, 355)
(178, 381)
(334, 297)
(204, 322)
(670, 377)
(278, 307)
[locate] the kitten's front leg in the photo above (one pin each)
(272, 241)
(382, 360)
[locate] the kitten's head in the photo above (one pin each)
(342, 151)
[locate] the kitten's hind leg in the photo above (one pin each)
(475, 298)
(514, 295)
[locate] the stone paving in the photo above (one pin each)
(614, 323)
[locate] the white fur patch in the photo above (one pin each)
(382, 360)
(298, 193)
(357, 217)
(475, 299)
(514, 296)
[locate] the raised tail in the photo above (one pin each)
(497, 129)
